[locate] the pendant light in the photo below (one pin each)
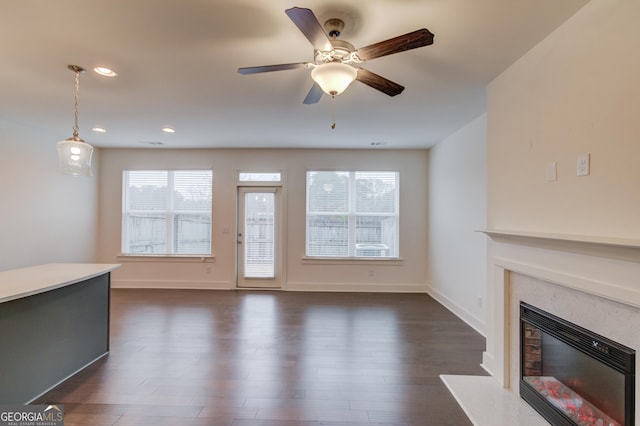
(74, 154)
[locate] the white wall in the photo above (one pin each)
(457, 208)
(45, 217)
(406, 275)
(576, 92)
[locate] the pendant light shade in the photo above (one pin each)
(74, 157)
(334, 77)
(74, 154)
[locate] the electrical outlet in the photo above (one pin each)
(583, 165)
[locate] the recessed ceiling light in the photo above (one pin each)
(107, 72)
(152, 143)
(168, 130)
(378, 143)
(99, 130)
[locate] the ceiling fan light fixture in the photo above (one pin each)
(334, 77)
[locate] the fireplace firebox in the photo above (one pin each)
(573, 376)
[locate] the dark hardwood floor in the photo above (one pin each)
(245, 358)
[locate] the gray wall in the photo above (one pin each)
(45, 216)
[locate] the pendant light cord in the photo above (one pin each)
(77, 70)
(75, 107)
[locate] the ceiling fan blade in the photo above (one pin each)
(269, 68)
(307, 22)
(378, 82)
(418, 38)
(314, 95)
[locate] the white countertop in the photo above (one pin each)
(18, 283)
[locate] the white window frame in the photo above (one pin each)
(352, 216)
(260, 178)
(170, 213)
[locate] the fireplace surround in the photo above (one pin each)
(573, 376)
(589, 281)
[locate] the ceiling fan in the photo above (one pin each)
(336, 62)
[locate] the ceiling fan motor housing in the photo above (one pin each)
(334, 27)
(343, 51)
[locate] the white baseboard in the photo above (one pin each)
(173, 284)
(355, 287)
(459, 311)
(291, 286)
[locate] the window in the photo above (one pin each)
(259, 177)
(166, 212)
(352, 214)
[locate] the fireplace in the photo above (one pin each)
(573, 376)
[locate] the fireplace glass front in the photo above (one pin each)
(573, 376)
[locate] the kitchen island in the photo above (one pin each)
(54, 321)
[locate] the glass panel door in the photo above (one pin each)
(258, 245)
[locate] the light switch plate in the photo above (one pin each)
(583, 165)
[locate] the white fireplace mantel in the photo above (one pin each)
(609, 247)
(605, 267)
(608, 268)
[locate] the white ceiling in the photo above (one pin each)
(177, 62)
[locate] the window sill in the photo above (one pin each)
(380, 261)
(166, 258)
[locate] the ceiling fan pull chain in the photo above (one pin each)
(333, 112)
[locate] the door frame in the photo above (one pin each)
(279, 235)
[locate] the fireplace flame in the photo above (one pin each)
(562, 397)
